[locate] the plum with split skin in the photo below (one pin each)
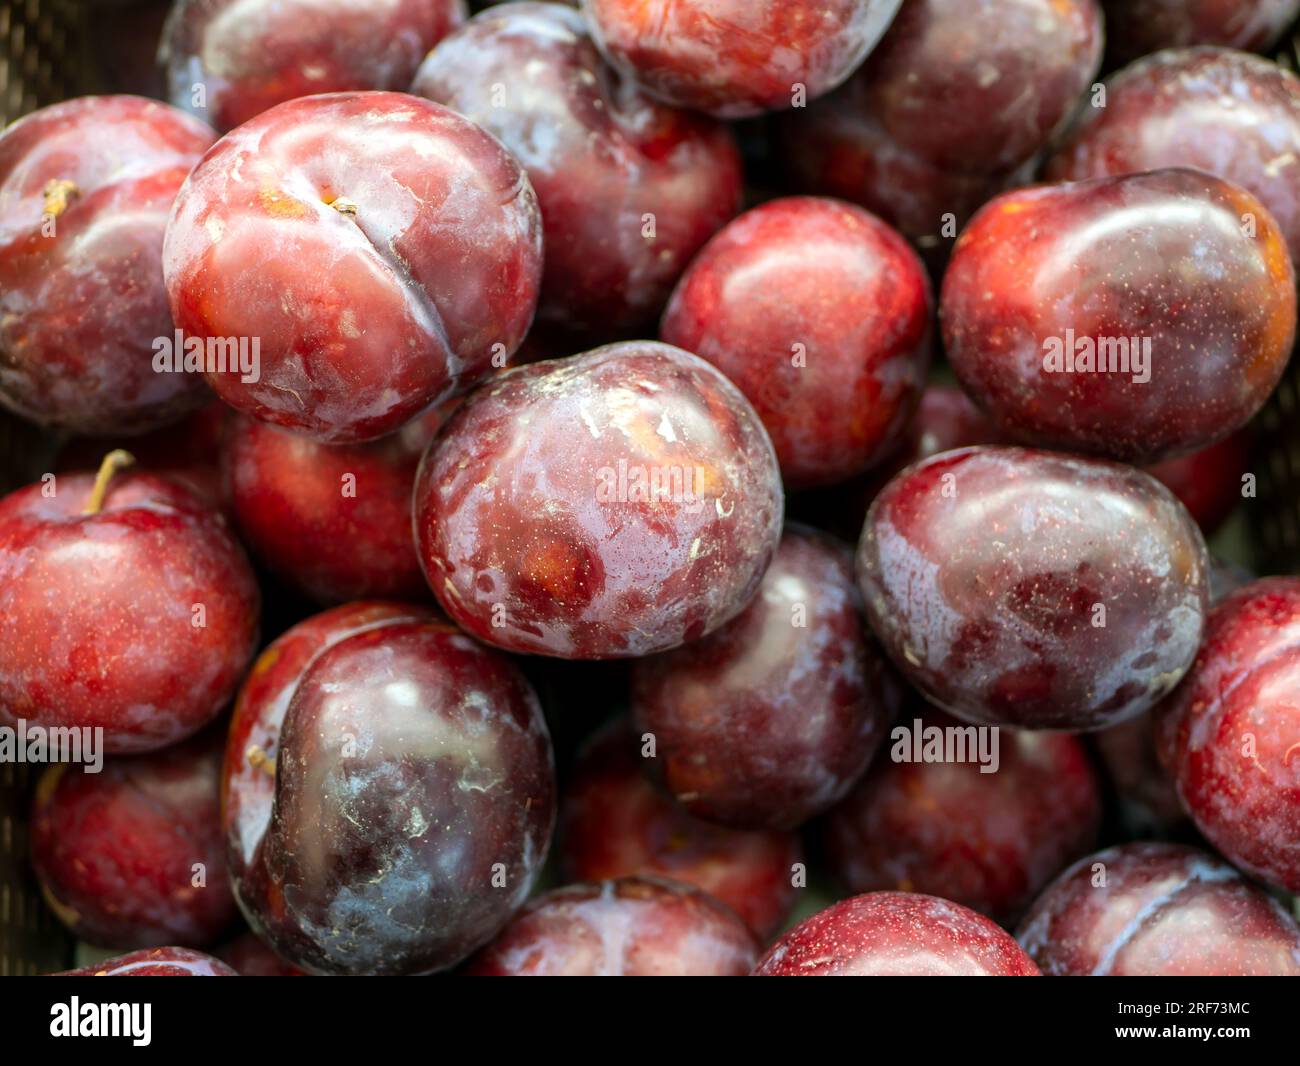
(408, 802)
(375, 251)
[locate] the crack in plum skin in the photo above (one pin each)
(770, 720)
(99, 610)
(364, 319)
(1164, 910)
(1034, 589)
(737, 58)
(116, 850)
(81, 287)
(1228, 735)
(601, 153)
(631, 927)
(413, 795)
(896, 934)
(1232, 115)
(615, 823)
(539, 525)
(249, 55)
(1160, 261)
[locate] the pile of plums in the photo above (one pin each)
(463, 424)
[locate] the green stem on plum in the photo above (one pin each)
(114, 461)
(59, 192)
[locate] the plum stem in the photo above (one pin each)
(114, 461)
(59, 192)
(259, 760)
(344, 206)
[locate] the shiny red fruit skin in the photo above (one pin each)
(770, 720)
(632, 927)
(1230, 736)
(820, 313)
(990, 842)
(1162, 910)
(979, 86)
(383, 252)
(614, 823)
(1163, 260)
(837, 147)
(139, 619)
(1139, 27)
(245, 59)
(945, 419)
(735, 58)
(1033, 589)
(607, 505)
(156, 962)
(253, 739)
(1233, 115)
(608, 162)
(1148, 802)
(81, 290)
(332, 521)
(116, 851)
(896, 934)
(414, 799)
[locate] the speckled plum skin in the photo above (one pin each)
(1165, 910)
(1230, 737)
(633, 927)
(115, 852)
(156, 962)
(837, 147)
(990, 842)
(607, 505)
(614, 823)
(332, 521)
(1162, 259)
(81, 289)
(770, 720)
(1138, 27)
(979, 86)
(1233, 115)
(601, 154)
(250, 56)
(414, 797)
(820, 313)
(381, 250)
(985, 572)
(896, 934)
(101, 612)
(735, 58)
